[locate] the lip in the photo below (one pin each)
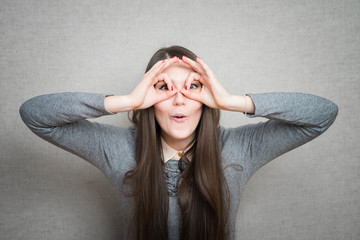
(179, 117)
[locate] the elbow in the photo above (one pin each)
(27, 114)
(332, 111)
(24, 112)
(31, 113)
(335, 111)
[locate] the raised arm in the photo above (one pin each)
(294, 119)
(61, 120)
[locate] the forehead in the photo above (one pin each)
(177, 72)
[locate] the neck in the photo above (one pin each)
(178, 144)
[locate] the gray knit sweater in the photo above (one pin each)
(293, 119)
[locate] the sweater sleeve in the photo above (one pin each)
(293, 120)
(60, 119)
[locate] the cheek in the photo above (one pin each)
(197, 107)
(160, 110)
(197, 110)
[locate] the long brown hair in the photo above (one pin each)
(203, 193)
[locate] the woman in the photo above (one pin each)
(179, 174)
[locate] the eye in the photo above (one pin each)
(163, 87)
(195, 85)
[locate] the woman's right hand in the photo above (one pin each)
(145, 95)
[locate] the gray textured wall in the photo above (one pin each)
(253, 46)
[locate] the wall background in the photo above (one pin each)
(252, 46)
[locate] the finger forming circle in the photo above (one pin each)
(164, 77)
(191, 77)
(196, 66)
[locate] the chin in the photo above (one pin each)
(181, 135)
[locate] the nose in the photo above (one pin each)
(179, 98)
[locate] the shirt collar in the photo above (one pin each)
(170, 153)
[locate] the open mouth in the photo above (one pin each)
(179, 117)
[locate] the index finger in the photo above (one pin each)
(191, 77)
(204, 65)
(184, 64)
(196, 66)
(160, 65)
(165, 78)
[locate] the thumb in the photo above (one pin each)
(192, 95)
(165, 95)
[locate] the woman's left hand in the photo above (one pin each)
(212, 92)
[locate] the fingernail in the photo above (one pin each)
(172, 88)
(199, 58)
(174, 57)
(163, 61)
(185, 87)
(184, 56)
